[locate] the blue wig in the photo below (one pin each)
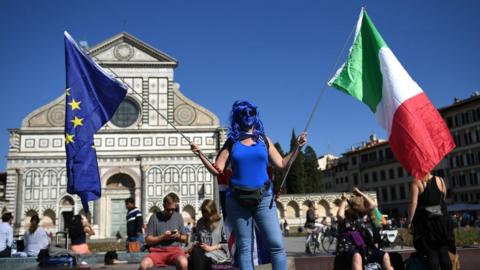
(244, 115)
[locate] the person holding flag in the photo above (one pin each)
(92, 97)
(250, 193)
(418, 136)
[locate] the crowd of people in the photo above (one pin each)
(248, 151)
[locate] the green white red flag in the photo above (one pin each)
(417, 133)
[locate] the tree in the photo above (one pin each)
(295, 179)
(313, 179)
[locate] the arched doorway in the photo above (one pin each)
(30, 213)
(323, 209)
(121, 181)
(293, 211)
(48, 220)
(118, 187)
(65, 209)
(280, 210)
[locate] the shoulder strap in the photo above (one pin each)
(228, 145)
(265, 140)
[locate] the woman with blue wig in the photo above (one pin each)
(248, 152)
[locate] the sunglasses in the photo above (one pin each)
(246, 112)
(170, 209)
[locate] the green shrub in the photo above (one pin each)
(467, 236)
(463, 236)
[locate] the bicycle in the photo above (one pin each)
(312, 243)
(329, 239)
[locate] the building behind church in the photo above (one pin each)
(372, 166)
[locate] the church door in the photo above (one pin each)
(119, 219)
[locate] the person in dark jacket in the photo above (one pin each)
(134, 223)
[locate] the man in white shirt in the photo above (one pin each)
(6, 235)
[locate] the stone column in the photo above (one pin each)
(19, 199)
(96, 211)
(143, 196)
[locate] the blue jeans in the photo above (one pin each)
(266, 220)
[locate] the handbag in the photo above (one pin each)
(134, 246)
(434, 211)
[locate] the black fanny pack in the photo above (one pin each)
(434, 211)
(249, 197)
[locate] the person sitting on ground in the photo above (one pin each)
(35, 238)
(6, 235)
(78, 230)
(210, 234)
(355, 245)
(165, 235)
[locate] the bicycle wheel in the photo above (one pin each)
(329, 243)
(311, 245)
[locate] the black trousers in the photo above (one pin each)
(438, 258)
(437, 255)
(198, 260)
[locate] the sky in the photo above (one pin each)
(277, 54)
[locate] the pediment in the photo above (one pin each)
(125, 48)
(189, 113)
(50, 115)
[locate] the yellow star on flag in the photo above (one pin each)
(77, 122)
(74, 104)
(67, 91)
(69, 138)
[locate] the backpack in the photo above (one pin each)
(44, 259)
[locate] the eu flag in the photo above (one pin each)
(92, 96)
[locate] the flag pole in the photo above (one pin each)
(312, 113)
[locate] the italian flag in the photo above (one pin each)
(418, 135)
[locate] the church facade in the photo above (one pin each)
(139, 154)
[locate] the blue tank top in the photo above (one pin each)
(249, 164)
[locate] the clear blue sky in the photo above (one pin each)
(278, 54)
